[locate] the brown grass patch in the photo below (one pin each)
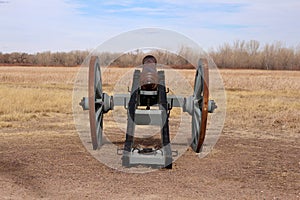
(259, 100)
(31, 92)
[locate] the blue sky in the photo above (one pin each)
(64, 25)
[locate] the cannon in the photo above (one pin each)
(148, 103)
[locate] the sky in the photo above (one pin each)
(63, 25)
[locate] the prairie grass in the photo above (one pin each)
(27, 101)
(37, 75)
(256, 100)
(263, 101)
(31, 92)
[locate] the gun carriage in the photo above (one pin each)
(148, 104)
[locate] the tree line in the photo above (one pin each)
(251, 55)
(68, 59)
(237, 55)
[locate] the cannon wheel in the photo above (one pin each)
(95, 102)
(200, 111)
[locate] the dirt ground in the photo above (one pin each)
(256, 157)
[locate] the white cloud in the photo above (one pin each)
(57, 25)
(30, 25)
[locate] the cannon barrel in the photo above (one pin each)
(149, 77)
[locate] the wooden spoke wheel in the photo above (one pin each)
(96, 105)
(200, 107)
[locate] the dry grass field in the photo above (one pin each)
(256, 157)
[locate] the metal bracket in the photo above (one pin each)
(125, 104)
(170, 106)
(175, 153)
(211, 106)
(167, 90)
(120, 151)
(84, 103)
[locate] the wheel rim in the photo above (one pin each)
(200, 111)
(95, 102)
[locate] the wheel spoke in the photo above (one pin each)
(194, 129)
(98, 84)
(99, 132)
(99, 113)
(196, 125)
(98, 92)
(198, 85)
